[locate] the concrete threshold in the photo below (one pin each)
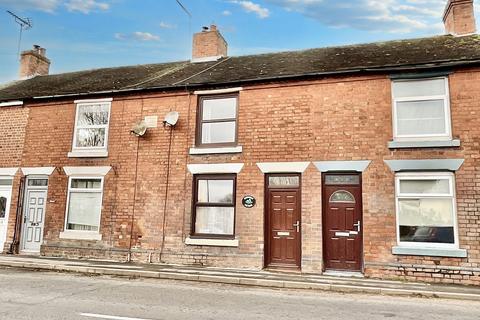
(246, 278)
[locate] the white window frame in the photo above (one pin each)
(423, 137)
(426, 176)
(84, 232)
(79, 104)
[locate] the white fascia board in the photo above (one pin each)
(357, 166)
(283, 167)
(38, 171)
(217, 91)
(11, 104)
(10, 172)
(93, 100)
(87, 171)
(215, 168)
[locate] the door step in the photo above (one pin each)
(346, 274)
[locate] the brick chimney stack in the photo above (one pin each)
(34, 63)
(459, 17)
(208, 45)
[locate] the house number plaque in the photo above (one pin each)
(248, 201)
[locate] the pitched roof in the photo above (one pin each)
(433, 52)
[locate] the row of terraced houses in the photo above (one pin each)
(361, 159)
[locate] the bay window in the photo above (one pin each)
(214, 205)
(426, 211)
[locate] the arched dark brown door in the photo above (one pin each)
(342, 220)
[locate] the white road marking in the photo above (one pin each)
(103, 316)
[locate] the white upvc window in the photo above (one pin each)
(426, 210)
(91, 126)
(84, 204)
(421, 109)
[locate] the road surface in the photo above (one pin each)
(43, 295)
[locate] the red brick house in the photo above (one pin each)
(361, 158)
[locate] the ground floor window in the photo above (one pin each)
(84, 204)
(214, 205)
(426, 209)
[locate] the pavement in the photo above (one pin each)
(27, 294)
(242, 277)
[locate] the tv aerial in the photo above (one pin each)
(24, 23)
(171, 119)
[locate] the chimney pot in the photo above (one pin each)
(34, 63)
(459, 17)
(209, 45)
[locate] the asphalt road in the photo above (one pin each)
(43, 295)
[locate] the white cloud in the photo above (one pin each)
(166, 25)
(250, 6)
(137, 36)
(227, 13)
(393, 16)
(86, 6)
(40, 5)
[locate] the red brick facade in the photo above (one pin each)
(348, 118)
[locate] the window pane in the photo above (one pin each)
(6, 182)
(421, 117)
(425, 212)
(427, 234)
(282, 182)
(425, 186)
(215, 109)
(90, 138)
(86, 183)
(342, 179)
(342, 196)
(215, 191)
(84, 211)
(214, 220)
(418, 88)
(219, 132)
(3, 207)
(38, 182)
(94, 114)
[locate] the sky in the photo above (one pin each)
(89, 34)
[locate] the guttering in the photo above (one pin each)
(11, 103)
(387, 68)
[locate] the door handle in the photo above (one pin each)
(357, 225)
(297, 225)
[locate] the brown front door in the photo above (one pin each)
(283, 225)
(342, 222)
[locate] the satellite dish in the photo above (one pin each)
(171, 119)
(139, 129)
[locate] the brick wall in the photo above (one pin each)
(345, 118)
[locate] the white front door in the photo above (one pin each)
(5, 199)
(33, 219)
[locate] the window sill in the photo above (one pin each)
(80, 235)
(423, 144)
(88, 154)
(431, 252)
(212, 242)
(200, 151)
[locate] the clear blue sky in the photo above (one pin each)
(86, 34)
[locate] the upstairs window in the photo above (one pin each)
(217, 121)
(91, 127)
(421, 110)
